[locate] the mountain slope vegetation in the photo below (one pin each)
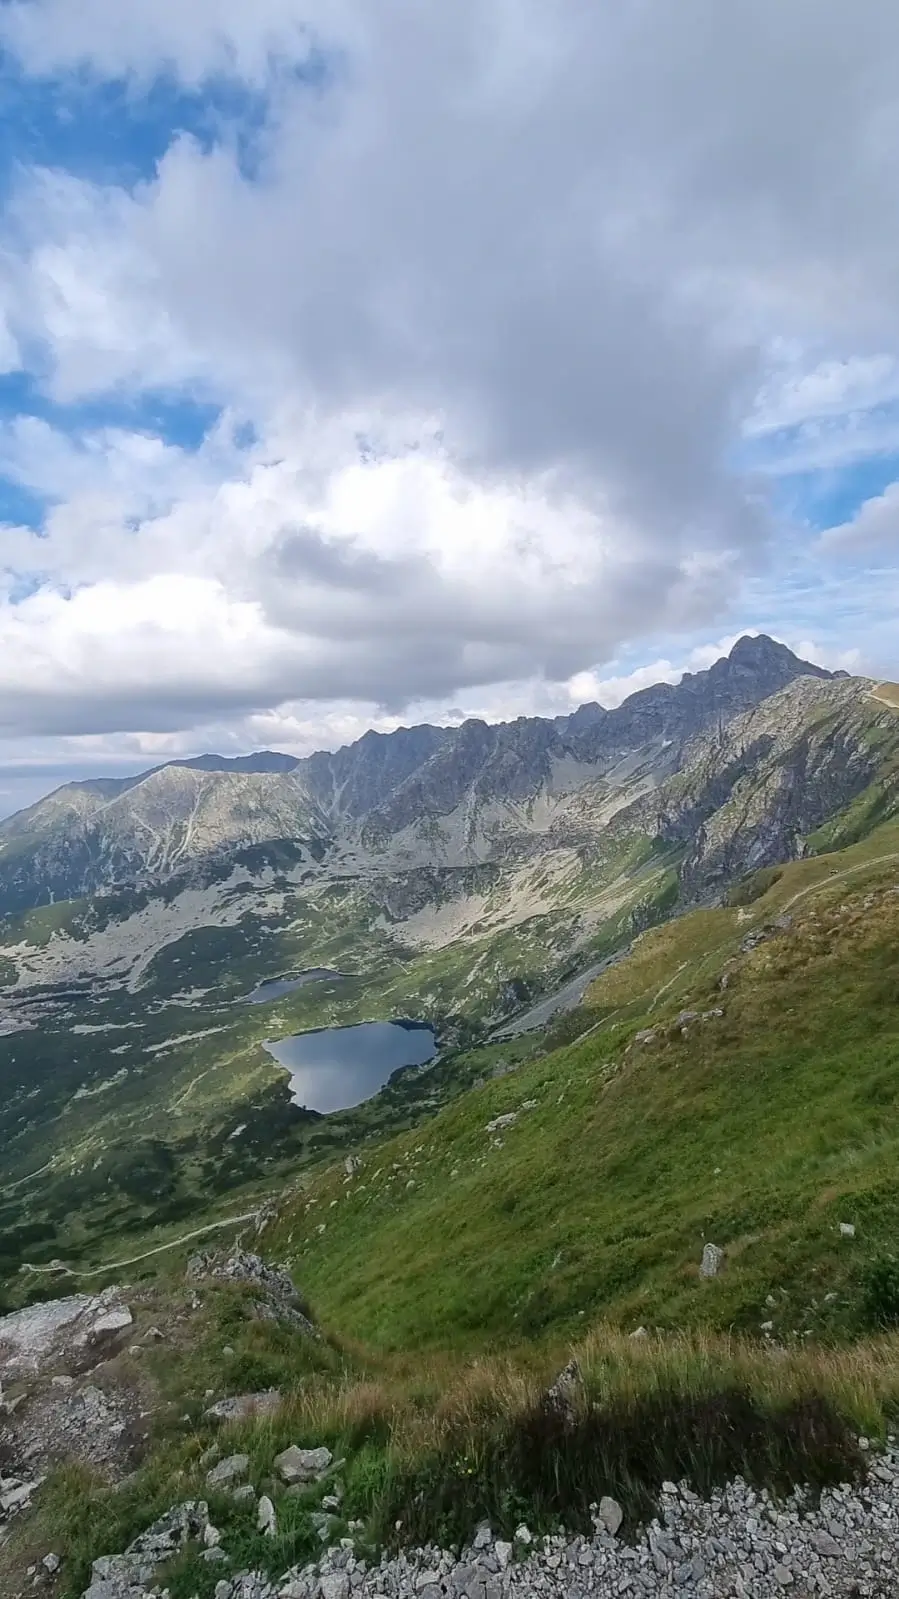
(728, 1076)
(736, 1081)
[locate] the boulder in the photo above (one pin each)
(303, 1465)
(115, 1320)
(117, 1576)
(499, 1123)
(227, 1471)
(335, 1585)
(563, 1392)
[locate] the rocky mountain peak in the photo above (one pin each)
(756, 652)
(87, 836)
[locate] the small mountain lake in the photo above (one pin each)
(273, 987)
(335, 1068)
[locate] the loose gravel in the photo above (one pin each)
(739, 1543)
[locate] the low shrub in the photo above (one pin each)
(880, 1292)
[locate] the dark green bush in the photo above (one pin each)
(880, 1292)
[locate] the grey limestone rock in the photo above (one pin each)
(712, 1261)
(229, 1470)
(243, 1407)
(303, 1465)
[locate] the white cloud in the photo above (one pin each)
(169, 583)
(543, 262)
(198, 40)
(875, 526)
(835, 659)
(831, 389)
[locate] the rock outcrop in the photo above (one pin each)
(278, 1298)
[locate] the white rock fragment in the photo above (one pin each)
(266, 1520)
(712, 1260)
(611, 1515)
(228, 1471)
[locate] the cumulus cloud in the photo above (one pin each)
(163, 590)
(875, 526)
(497, 293)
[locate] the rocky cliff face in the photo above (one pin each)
(753, 792)
(79, 841)
(428, 795)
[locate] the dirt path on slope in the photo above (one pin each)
(59, 1269)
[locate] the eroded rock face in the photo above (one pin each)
(62, 1398)
(31, 1338)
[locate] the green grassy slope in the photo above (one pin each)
(459, 1263)
(761, 1129)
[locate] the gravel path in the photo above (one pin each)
(739, 1543)
(58, 1268)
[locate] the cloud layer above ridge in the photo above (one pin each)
(359, 359)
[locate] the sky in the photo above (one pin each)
(363, 365)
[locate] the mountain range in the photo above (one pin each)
(456, 796)
(481, 879)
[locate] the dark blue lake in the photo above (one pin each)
(274, 987)
(336, 1067)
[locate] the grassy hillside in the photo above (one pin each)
(734, 1080)
(761, 1128)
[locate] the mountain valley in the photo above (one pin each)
(656, 1148)
(458, 877)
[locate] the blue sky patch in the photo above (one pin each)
(116, 131)
(829, 498)
(180, 419)
(19, 507)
